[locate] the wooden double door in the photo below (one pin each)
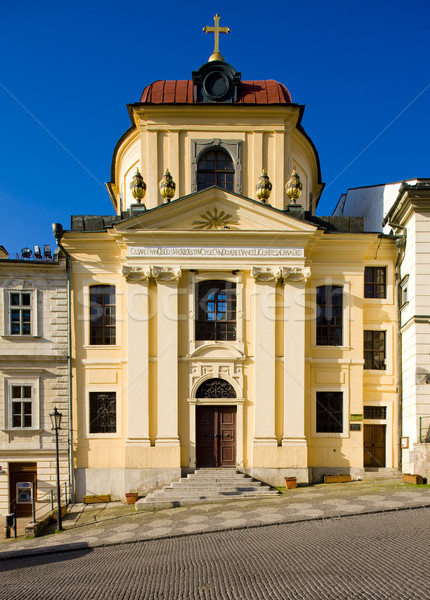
(374, 445)
(216, 436)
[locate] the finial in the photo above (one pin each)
(263, 187)
(167, 186)
(138, 187)
(294, 187)
(216, 54)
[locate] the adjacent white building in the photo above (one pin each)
(33, 379)
(404, 208)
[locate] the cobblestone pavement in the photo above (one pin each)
(116, 524)
(379, 556)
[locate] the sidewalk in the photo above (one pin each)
(91, 526)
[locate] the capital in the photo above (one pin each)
(266, 274)
(295, 273)
(166, 274)
(136, 274)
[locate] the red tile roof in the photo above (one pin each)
(182, 92)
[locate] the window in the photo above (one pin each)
(404, 291)
(374, 350)
(102, 412)
(20, 313)
(102, 315)
(216, 388)
(21, 406)
(329, 414)
(375, 282)
(375, 412)
(215, 168)
(216, 311)
(329, 315)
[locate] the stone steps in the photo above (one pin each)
(372, 473)
(207, 485)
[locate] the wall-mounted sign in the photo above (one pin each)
(405, 443)
(356, 417)
(219, 252)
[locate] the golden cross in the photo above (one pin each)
(216, 55)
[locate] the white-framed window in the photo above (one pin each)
(404, 299)
(20, 313)
(22, 404)
(331, 313)
(100, 317)
(330, 412)
(378, 283)
(378, 349)
(216, 313)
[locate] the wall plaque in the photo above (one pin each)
(219, 252)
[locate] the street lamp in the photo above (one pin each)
(56, 425)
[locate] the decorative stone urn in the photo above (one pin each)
(138, 187)
(263, 187)
(167, 186)
(294, 187)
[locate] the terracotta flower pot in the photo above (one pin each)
(290, 482)
(131, 497)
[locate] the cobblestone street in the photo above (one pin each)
(377, 556)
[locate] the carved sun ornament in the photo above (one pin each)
(214, 219)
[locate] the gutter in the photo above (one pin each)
(400, 243)
(58, 231)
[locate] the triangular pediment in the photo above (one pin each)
(215, 209)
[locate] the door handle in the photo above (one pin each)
(217, 436)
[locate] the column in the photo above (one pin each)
(167, 354)
(138, 355)
(294, 279)
(264, 355)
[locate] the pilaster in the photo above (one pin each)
(167, 279)
(294, 279)
(264, 354)
(138, 355)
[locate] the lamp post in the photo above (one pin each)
(56, 425)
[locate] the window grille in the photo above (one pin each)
(102, 412)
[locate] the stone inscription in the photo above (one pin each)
(217, 252)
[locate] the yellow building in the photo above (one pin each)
(226, 325)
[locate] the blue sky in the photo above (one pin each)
(69, 69)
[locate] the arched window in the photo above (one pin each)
(216, 388)
(216, 311)
(215, 168)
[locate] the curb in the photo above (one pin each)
(73, 547)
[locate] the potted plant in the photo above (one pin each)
(290, 482)
(131, 497)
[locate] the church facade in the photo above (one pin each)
(216, 321)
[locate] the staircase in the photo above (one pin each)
(375, 473)
(207, 485)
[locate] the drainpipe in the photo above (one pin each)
(57, 230)
(400, 243)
